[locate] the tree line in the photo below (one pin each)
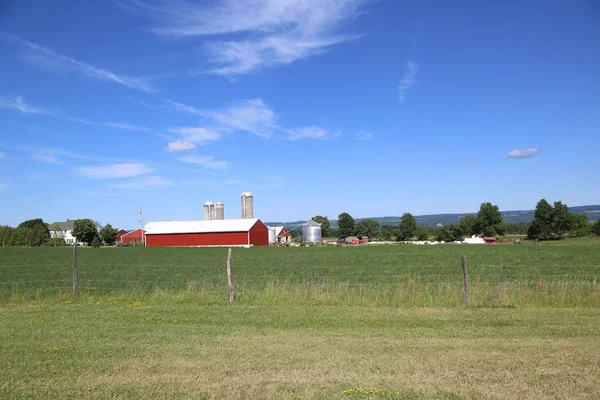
(550, 222)
(36, 233)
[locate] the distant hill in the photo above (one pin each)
(517, 216)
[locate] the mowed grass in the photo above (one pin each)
(381, 322)
(556, 273)
(176, 347)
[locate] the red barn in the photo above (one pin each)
(228, 232)
(128, 237)
(120, 234)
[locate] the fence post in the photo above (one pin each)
(75, 270)
(229, 282)
(463, 260)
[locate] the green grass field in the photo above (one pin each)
(558, 273)
(381, 322)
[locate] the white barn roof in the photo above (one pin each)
(213, 226)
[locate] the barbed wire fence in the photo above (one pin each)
(350, 283)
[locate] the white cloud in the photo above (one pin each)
(18, 103)
(363, 136)
(145, 183)
(267, 32)
(206, 161)
(179, 145)
(409, 79)
(113, 171)
(47, 58)
(248, 115)
(200, 136)
(311, 132)
(48, 157)
(525, 153)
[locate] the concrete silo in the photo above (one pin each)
(219, 210)
(311, 232)
(209, 210)
(247, 205)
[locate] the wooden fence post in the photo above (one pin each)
(229, 282)
(75, 270)
(463, 260)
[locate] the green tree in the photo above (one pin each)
(542, 225)
(422, 233)
(109, 234)
(580, 227)
(33, 232)
(490, 220)
(596, 228)
(96, 242)
(561, 219)
(468, 226)
(387, 232)
(368, 228)
(325, 225)
(407, 227)
(442, 234)
(345, 224)
(6, 233)
(85, 230)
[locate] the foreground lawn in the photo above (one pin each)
(170, 347)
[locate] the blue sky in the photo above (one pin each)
(317, 107)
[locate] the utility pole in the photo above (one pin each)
(142, 222)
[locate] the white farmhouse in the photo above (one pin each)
(64, 230)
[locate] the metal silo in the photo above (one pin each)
(209, 210)
(247, 205)
(272, 235)
(219, 210)
(311, 232)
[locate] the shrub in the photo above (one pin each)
(96, 242)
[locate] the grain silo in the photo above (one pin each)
(209, 210)
(247, 205)
(272, 234)
(219, 210)
(311, 232)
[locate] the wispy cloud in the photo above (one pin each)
(311, 132)
(408, 80)
(114, 171)
(48, 58)
(145, 104)
(179, 145)
(267, 32)
(199, 136)
(47, 157)
(363, 136)
(247, 115)
(145, 183)
(525, 153)
(205, 161)
(18, 103)
(252, 116)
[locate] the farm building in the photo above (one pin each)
(278, 234)
(229, 232)
(130, 236)
(120, 234)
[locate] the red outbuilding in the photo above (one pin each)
(214, 233)
(120, 234)
(490, 240)
(128, 237)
